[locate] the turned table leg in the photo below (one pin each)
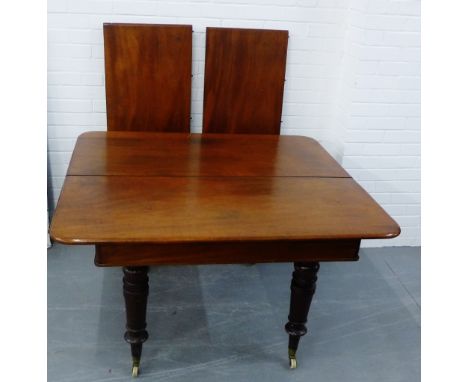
(135, 290)
(303, 283)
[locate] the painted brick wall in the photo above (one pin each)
(380, 116)
(352, 81)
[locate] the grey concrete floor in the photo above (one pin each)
(226, 323)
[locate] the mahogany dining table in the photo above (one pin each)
(148, 199)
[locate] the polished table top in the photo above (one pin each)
(127, 187)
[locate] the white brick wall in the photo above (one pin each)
(353, 81)
(380, 125)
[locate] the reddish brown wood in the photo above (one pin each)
(234, 252)
(265, 205)
(163, 154)
(135, 209)
(303, 286)
(135, 291)
(244, 80)
(206, 204)
(148, 77)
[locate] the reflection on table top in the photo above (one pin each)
(171, 188)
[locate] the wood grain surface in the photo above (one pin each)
(173, 198)
(148, 72)
(136, 209)
(163, 154)
(244, 80)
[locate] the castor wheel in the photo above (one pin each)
(292, 359)
(292, 363)
(135, 368)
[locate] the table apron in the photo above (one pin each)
(234, 252)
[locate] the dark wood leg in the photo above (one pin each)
(135, 289)
(303, 284)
